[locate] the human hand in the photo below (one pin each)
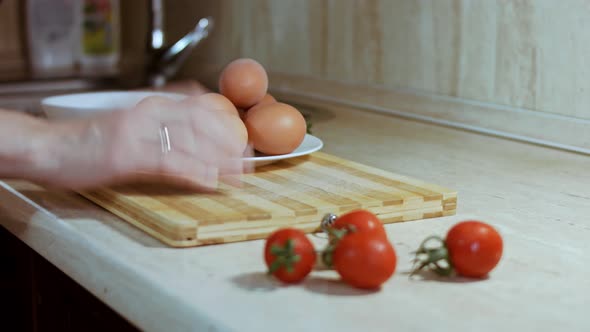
(185, 143)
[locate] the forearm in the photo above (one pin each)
(21, 138)
(38, 150)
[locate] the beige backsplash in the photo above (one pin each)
(531, 54)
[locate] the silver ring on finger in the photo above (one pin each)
(165, 139)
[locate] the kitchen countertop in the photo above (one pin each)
(538, 198)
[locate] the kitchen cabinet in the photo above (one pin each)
(36, 296)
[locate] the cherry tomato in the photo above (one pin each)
(360, 221)
(471, 248)
(364, 260)
(474, 247)
(289, 255)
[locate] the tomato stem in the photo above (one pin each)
(432, 258)
(285, 257)
(334, 235)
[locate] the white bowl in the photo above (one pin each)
(90, 103)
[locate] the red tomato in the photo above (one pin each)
(360, 221)
(364, 260)
(289, 255)
(474, 247)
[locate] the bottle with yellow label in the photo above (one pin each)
(99, 46)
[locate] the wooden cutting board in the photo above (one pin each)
(296, 192)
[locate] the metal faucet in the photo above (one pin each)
(166, 62)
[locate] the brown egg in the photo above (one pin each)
(268, 99)
(275, 128)
(217, 102)
(244, 82)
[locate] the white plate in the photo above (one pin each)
(90, 103)
(309, 145)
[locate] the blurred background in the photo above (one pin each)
(515, 66)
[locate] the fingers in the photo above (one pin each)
(223, 151)
(222, 129)
(178, 167)
(247, 165)
(215, 122)
(204, 145)
(194, 149)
